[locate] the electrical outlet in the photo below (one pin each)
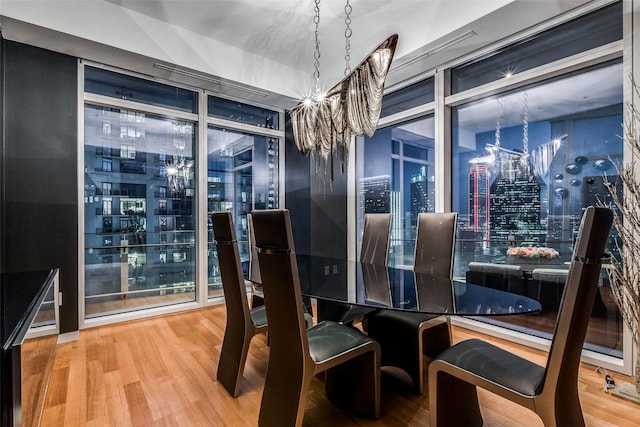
(326, 270)
(60, 298)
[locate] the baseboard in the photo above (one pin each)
(68, 337)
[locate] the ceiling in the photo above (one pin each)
(269, 45)
(283, 30)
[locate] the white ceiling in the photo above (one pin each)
(283, 30)
(267, 44)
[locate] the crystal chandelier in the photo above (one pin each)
(324, 123)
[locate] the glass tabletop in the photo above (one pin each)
(402, 289)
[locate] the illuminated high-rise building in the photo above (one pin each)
(422, 193)
(479, 181)
(515, 201)
(374, 194)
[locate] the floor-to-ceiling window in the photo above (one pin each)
(529, 155)
(524, 169)
(143, 145)
(139, 203)
(534, 128)
(242, 170)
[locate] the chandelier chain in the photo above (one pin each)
(347, 38)
(316, 54)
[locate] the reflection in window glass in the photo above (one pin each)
(579, 35)
(122, 86)
(395, 174)
(525, 166)
(239, 112)
(411, 96)
(242, 175)
(125, 268)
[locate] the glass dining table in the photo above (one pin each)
(376, 286)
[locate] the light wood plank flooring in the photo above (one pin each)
(161, 372)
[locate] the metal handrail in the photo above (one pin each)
(139, 291)
(150, 245)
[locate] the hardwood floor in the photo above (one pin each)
(161, 372)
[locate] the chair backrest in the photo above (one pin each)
(375, 238)
(375, 279)
(281, 286)
(435, 243)
(561, 375)
(254, 267)
(235, 293)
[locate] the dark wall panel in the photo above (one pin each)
(297, 191)
(329, 224)
(318, 207)
(40, 168)
(318, 211)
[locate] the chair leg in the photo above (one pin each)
(233, 356)
(436, 339)
(446, 393)
(284, 397)
(568, 414)
(355, 384)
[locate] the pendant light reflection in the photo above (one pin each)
(178, 173)
(516, 162)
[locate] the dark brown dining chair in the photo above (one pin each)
(376, 236)
(404, 336)
(257, 296)
(550, 391)
(242, 323)
(349, 359)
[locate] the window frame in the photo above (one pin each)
(575, 63)
(201, 121)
